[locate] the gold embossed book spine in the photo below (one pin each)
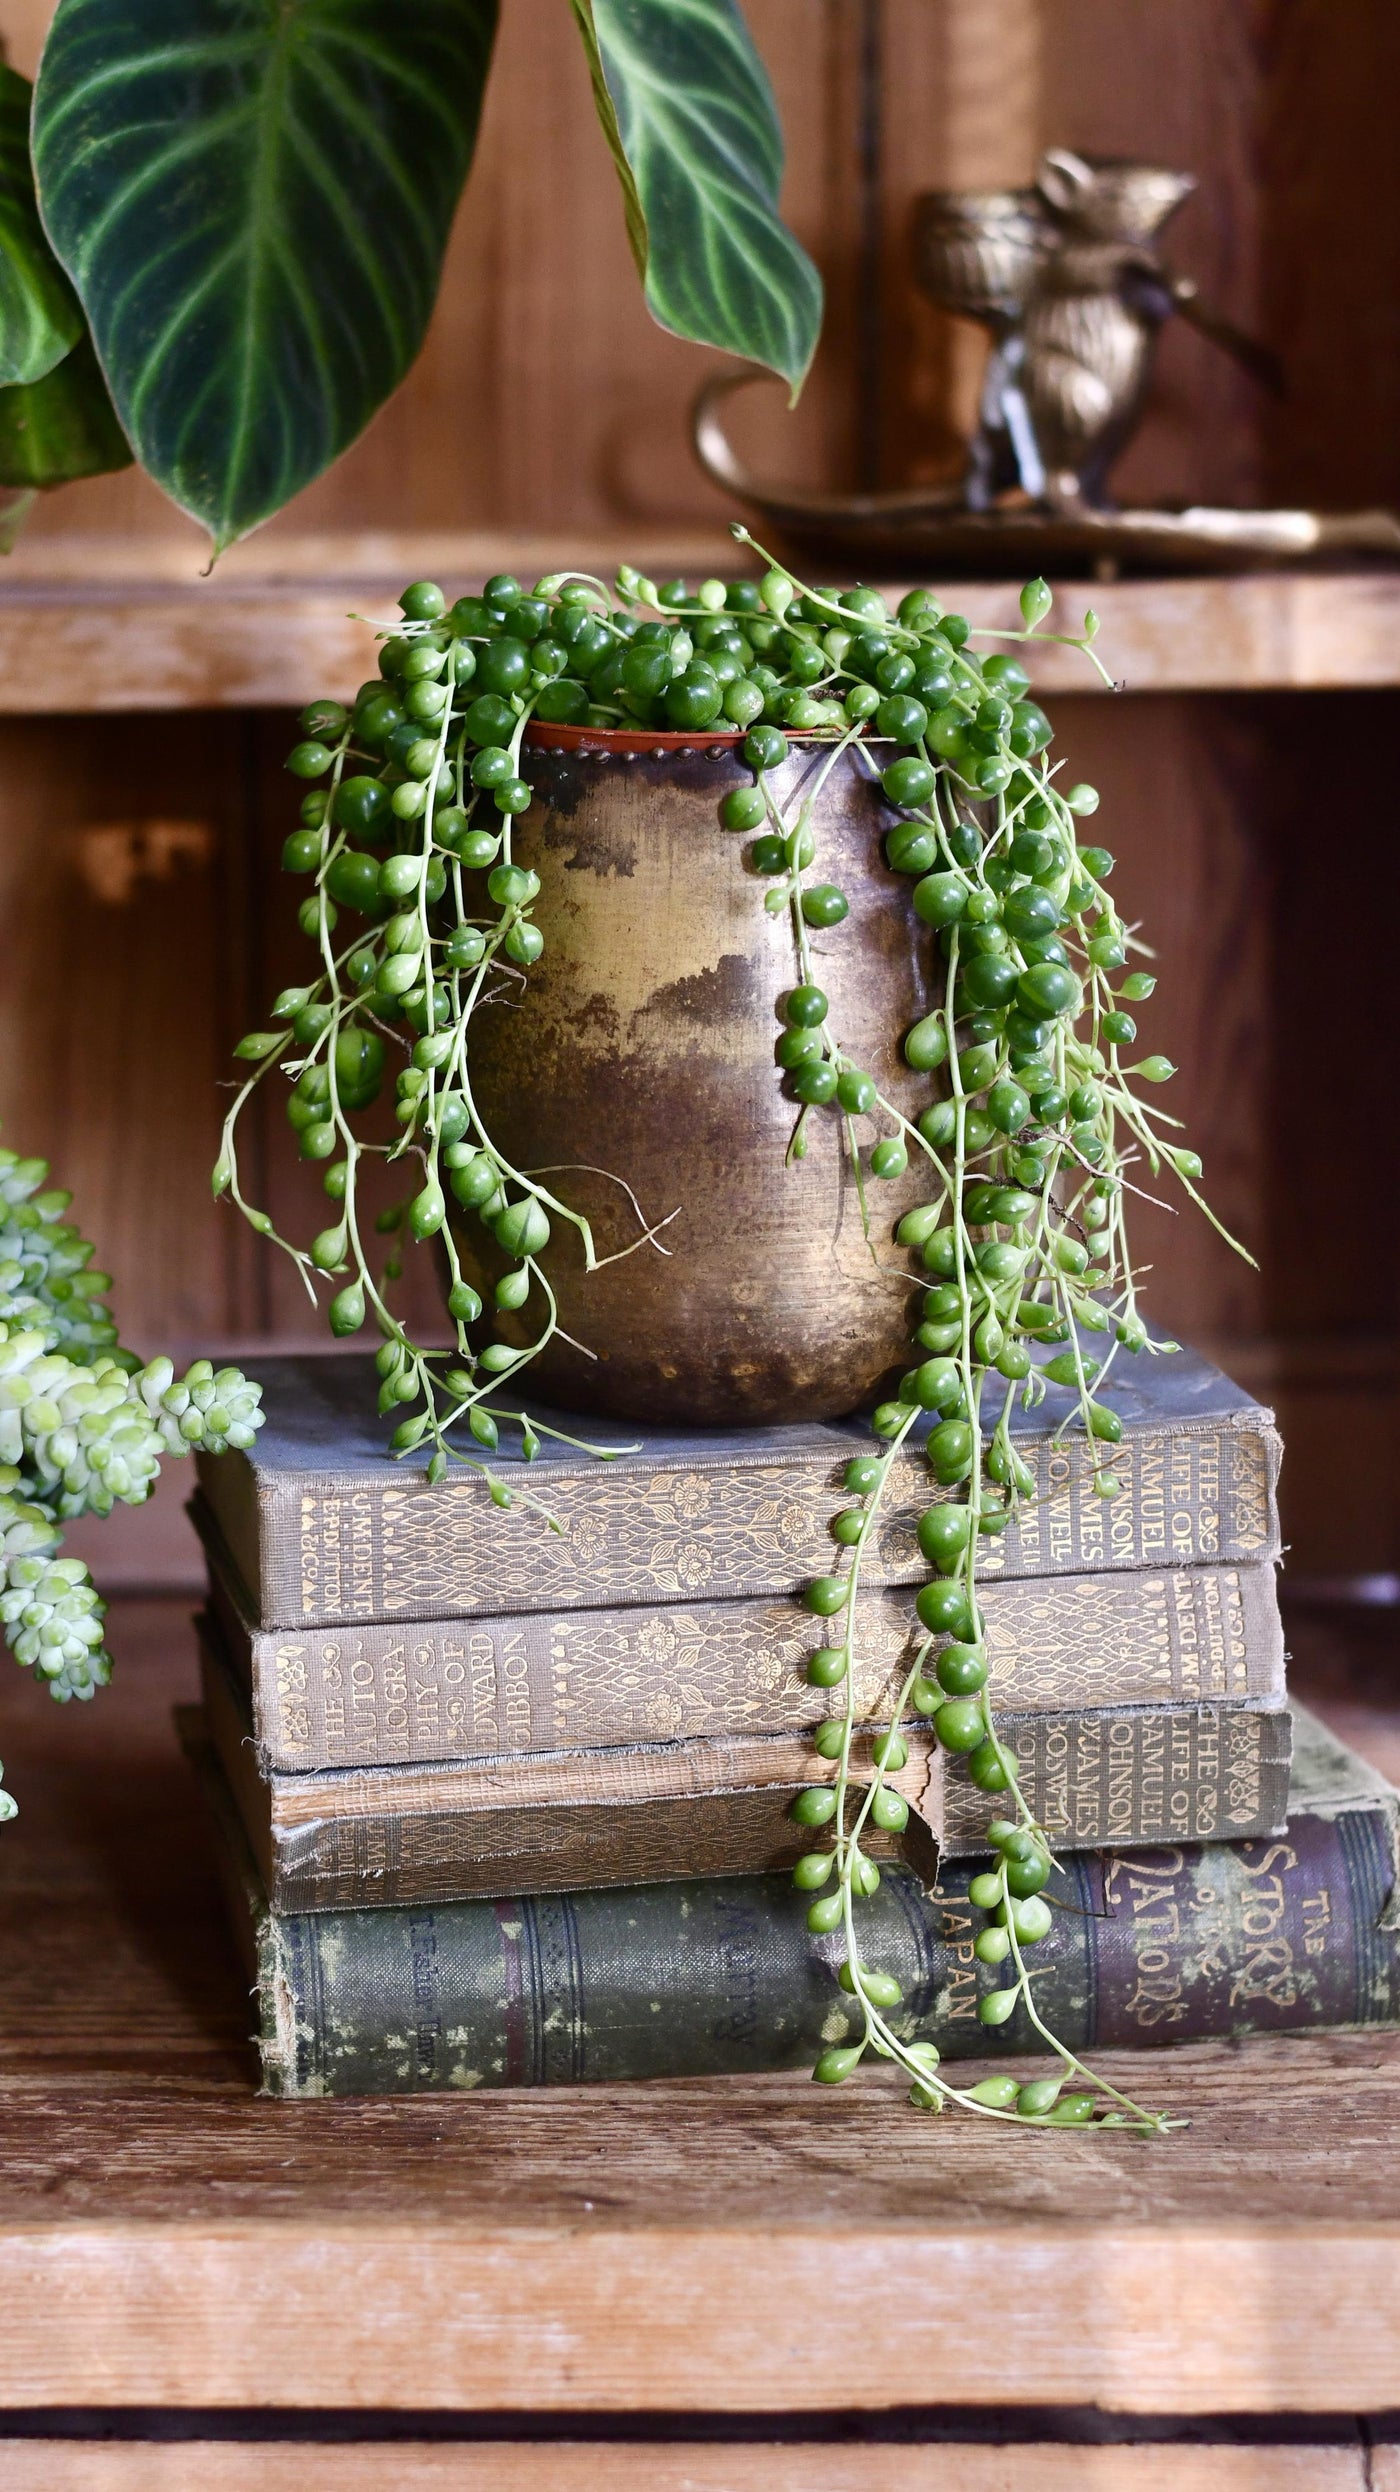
(389, 1694)
(1117, 1776)
(320, 1529)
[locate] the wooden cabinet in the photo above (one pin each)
(167, 2239)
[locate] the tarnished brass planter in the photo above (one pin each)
(641, 1045)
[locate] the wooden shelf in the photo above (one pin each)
(168, 2239)
(122, 625)
(684, 2464)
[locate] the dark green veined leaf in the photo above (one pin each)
(253, 198)
(55, 430)
(688, 112)
(39, 315)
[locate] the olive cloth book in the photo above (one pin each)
(323, 1527)
(1163, 1944)
(391, 1694)
(719, 1806)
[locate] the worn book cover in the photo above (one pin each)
(387, 1694)
(688, 1808)
(596, 1817)
(1169, 1942)
(324, 1527)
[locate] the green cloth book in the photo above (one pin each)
(1166, 1943)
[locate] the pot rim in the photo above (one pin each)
(634, 743)
(628, 743)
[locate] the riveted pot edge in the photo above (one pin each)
(635, 743)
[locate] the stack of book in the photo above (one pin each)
(421, 1709)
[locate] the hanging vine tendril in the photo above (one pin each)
(1034, 1118)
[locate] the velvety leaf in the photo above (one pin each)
(55, 430)
(39, 315)
(253, 198)
(688, 112)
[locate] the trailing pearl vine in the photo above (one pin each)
(1034, 1118)
(1023, 1236)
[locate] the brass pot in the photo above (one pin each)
(641, 1049)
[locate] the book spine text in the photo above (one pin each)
(1170, 1943)
(386, 1694)
(352, 1551)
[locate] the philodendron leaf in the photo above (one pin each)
(54, 430)
(253, 198)
(39, 315)
(688, 112)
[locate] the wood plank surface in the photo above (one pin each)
(175, 2255)
(242, 641)
(1329, 212)
(123, 930)
(947, 2466)
(168, 2239)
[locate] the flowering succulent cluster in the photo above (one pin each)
(45, 1266)
(83, 1427)
(89, 1437)
(52, 1615)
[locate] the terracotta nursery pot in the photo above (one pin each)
(641, 1048)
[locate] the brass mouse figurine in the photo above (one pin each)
(1067, 278)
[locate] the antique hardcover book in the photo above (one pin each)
(324, 1528)
(409, 1834)
(393, 1693)
(1166, 1943)
(700, 1807)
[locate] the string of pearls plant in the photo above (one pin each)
(83, 1427)
(1038, 1107)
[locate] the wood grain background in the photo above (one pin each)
(545, 397)
(300, 2466)
(144, 923)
